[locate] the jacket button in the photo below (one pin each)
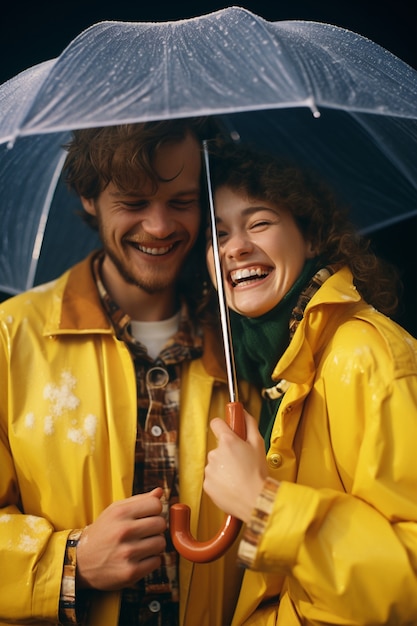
(274, 460)
(156, 430)
(154, 606)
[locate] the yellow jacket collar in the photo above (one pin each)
(76, 308)
(334, 298)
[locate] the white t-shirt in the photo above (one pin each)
(154, 335)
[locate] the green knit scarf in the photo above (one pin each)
(259, 343)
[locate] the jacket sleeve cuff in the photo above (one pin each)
(72, 606)
(257, 524)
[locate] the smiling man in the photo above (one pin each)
(148, 230)
(106, 399)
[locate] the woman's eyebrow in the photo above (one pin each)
(250, 210)
(255, 209)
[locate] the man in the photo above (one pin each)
(106, 392)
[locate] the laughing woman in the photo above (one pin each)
(330, 512)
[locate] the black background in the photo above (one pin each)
(37, 31)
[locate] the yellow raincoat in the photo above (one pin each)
(340, 546)
(67, 439)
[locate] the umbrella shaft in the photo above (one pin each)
(224, 312)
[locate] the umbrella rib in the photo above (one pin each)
(37, 245)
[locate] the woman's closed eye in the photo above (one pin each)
(259, 224)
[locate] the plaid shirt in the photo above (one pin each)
(155, 600)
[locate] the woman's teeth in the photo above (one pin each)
(238, 276)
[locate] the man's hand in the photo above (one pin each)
(123, 544)
(236, 469)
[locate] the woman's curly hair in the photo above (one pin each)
(320, 217)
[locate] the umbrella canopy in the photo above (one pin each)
(315, 92)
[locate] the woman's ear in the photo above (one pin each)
(89, 205)
(310, 250)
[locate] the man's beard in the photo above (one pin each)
(155, 285)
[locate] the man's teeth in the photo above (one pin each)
(155, 251)
(240, 275)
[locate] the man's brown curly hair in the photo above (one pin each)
(124, 154)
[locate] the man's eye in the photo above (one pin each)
(184, 204)
(133, 206)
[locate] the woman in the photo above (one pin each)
(331, 513)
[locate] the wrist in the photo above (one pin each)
(67, 601)
(81, 581)
(257, 522)
(249, 503)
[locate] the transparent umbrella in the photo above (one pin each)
(315, 92)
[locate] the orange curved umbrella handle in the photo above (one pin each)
(179, 519)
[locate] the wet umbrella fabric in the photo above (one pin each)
(269, 81)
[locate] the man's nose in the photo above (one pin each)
(158, 221)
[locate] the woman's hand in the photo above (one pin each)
(236, 469)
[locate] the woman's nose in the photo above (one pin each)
(237, 245)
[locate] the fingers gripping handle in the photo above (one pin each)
(184, 542)
(235, 418)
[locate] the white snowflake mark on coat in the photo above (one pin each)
(61, 396)
(28, 543)
(30, 420)
(63, 400)
(32, 535)
(87, 431)
(37, 524)
(48, 425)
